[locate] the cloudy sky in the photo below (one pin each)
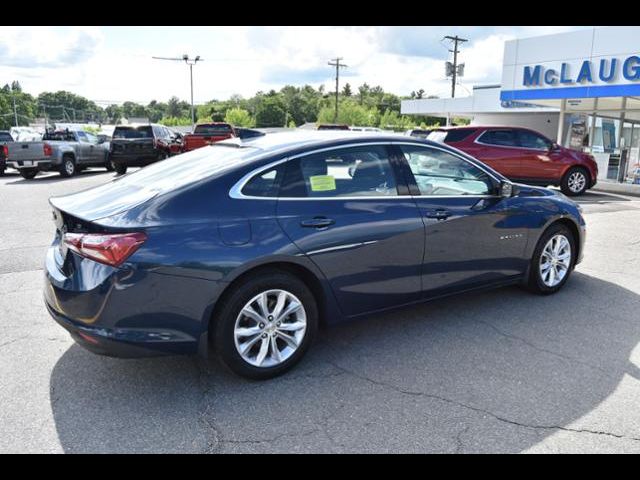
(114, 64)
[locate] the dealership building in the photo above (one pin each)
(580, 88)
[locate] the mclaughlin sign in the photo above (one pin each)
(607, 70)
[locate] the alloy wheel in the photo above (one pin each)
(270, 328)
(555, 260)
(577, 182)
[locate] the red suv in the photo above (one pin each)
(523, 155)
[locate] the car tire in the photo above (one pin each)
(120, 168)
(68, 167)
(108, 164)
(230, 322)
(545, 258)
(575, 182)
(1, 172)
(28, 173)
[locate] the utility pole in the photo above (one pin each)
(454, 71)
(336, 63)
(15, 111)
(191, 62)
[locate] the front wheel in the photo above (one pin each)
(28, 173)
(575, 182)
(266, 325)
(553, 260)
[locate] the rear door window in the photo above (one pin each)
(502, 137)
(347, 172)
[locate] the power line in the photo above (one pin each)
(454, 70)
(191, 62)
(336, 63)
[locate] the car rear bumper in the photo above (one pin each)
(126, 312)
(19, 164)
(134, 160)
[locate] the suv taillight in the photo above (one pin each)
(5, 151)
(110, 249)
(48, 151)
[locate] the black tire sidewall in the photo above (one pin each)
(564, 185)
(535, 279)
(223, 329)
(63, 169)
(120, 169)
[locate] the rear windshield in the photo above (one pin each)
(448, 136)
(133, 132)
(333, 127)
(213, 129)
(5, 137)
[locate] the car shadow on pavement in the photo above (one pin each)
(497, 371)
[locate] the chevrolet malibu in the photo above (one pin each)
(244, 248)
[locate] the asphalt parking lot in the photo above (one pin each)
(500, 371)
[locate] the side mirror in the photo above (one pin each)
(553, 147)
(507, 189)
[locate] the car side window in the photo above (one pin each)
(347, 172)
(91, 138)
(82, 137)
(264, 184)
(503, 138)
(437, 172)
(528, 139)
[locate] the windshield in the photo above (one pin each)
(133, 132)
(5, 137)
(222, 129)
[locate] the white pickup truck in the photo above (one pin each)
(66, 151)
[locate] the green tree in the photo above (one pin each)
(271, 112)
(113, 113)
(350, 113)
(238, 117)
(346, 90)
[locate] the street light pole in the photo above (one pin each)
(191, 62)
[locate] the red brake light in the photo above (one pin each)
(48, 151)
(5, 151)
(110, 249)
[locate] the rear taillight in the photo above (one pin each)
(5, 151)
(48, 151)
(110, 249)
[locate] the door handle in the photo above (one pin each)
(439, 214)
(317, 222)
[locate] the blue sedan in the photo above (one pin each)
(245, 247)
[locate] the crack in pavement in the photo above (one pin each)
(206, 415)
(480, 410)
(459, 443)
(541, 349)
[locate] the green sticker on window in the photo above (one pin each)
(322, 183)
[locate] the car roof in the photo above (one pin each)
(282, 141)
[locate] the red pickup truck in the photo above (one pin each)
(206, 134)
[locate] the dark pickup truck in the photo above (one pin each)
(140, 145)
(5, 138)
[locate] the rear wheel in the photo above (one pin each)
(553, 260)
(266, 325)
(28, 173)
(1, 172)
(575, 182)
(120, 168)
(68, 167)
(108, 164)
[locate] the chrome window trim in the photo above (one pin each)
(517, 147)
(236, 190)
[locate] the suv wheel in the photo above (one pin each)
(553, 260)
(109, 165)
(120, 168)
(28, 173)
(266, 325)
(575, 182)
(68, 167)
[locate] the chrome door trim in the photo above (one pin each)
(236, 190)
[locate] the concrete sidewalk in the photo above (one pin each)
(621, 188)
